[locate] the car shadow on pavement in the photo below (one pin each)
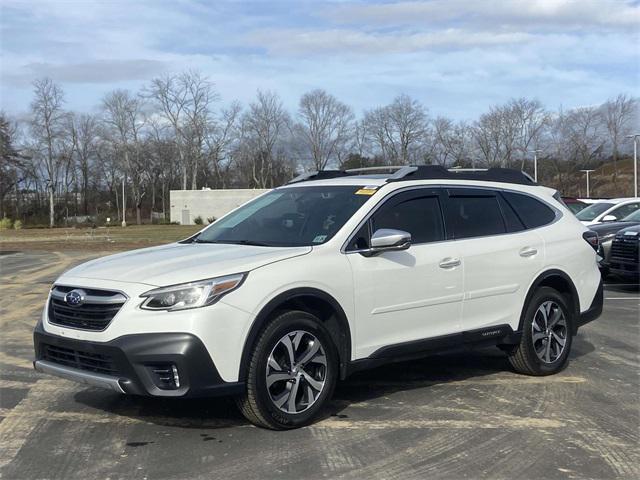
(380, 382)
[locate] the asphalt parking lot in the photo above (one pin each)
(450, 416)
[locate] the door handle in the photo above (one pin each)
(449, 262)
(528, 252)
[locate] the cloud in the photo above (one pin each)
(348, 41)
(559, 14)
(97, 71)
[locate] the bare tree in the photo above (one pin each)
(84, 135)
(185, 101)
(449, 142)
(618, 115)
(123, 116)
(11, 163)
(399, 130)
(47, 124)
(220, 140)
(324, 125)
(530, 119)
(263, 128)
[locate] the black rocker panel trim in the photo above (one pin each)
(483, 337)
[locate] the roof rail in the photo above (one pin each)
(427, 172)
(375, 169)
(437, 172)
(321, 175)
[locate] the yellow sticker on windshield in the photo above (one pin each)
(366, 191)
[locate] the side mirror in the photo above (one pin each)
(388, 240)
(609, 218)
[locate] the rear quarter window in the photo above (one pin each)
(532, 213)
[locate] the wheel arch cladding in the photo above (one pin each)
(311, 300)
(562, 283)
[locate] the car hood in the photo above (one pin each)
(633, 231)
(181, 262)
(611, 227)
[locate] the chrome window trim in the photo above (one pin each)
(558, 213)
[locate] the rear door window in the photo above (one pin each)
(533, 213)
(473, 212)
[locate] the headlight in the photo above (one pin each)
(191, 295)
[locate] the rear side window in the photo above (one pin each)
(412, 212)
(474, 213)
(533, 213)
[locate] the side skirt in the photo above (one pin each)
(497, 335)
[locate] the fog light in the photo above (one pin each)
(165, 376)
(176, 377)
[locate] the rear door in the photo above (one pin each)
(500, 256)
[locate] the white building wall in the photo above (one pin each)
(186, 205)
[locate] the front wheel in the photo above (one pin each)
(292, 372)
(546, 334)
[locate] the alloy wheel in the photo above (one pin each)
(549, 331)
(296, 371)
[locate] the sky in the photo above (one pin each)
(457, 57)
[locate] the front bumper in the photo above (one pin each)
(129, 364)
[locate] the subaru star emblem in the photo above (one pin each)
(75, 297)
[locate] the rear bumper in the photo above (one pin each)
(594, 311)
(128, 364)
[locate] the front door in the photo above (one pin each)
(412, 294)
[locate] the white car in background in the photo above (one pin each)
(611, 210)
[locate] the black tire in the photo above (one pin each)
(524, 358)
(257, 404)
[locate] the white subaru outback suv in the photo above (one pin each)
(332, 273)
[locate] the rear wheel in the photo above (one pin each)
(546, 334)
(292, 372)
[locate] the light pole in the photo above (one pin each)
(124, 203)
(535, 163)
(587, 172)
(635, 162)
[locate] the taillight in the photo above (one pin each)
(591, 238)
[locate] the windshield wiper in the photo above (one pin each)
(235, 242)
(246, 242)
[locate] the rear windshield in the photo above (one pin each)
(288, 217)
(592, 211)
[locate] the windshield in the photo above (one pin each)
(289, 217)
(575, 207)
(633, 217)
(592, 211)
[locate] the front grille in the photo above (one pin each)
(94, 312)
(92, 362)
(625, 249)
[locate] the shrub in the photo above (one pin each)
(211, 219)
(198, 220)
(5, 223)
(17, 225)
